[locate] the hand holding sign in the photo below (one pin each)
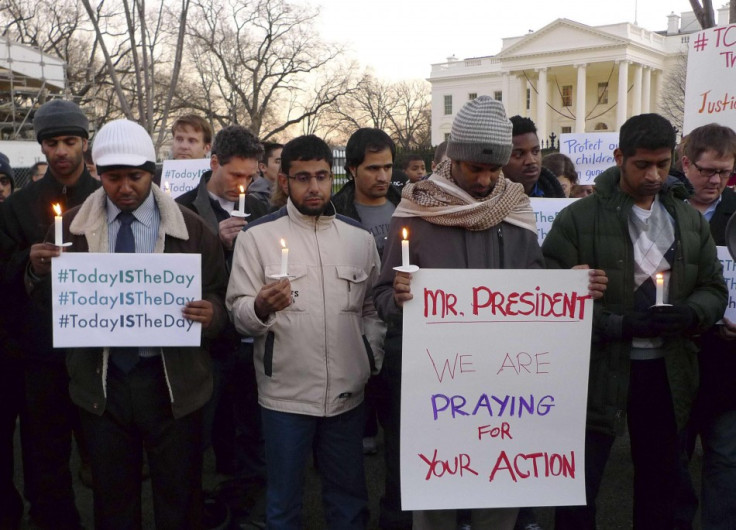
(199, 311)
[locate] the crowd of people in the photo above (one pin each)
(306, 362)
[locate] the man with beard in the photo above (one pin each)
(317, 338)
(46, 424)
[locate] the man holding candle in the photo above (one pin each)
(46, 425)
(317, 338)
(643, 365)
(466, 215)
(237, 440)
(709, 156)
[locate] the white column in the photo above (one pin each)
(657, 89)
(636, 91)
(581, 93)
(646, 90)
(509, 102)
(541, 120)
(623, 82)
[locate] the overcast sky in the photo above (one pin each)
(400, 39)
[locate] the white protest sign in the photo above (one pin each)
(124, 299)
(494, 388)
(710, 96)
(729, 274)
(183, 175)
(592, 153)
(545, 211)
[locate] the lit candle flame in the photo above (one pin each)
(283, 243)
(242, 189)
(405, 233)
(57, 208)
(167, 187)
(659, 276)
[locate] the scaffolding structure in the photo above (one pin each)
(28, 78)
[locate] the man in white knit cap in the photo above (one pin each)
(148, 397)
(466, 215)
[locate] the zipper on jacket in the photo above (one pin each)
(324, 313)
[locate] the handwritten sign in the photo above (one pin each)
(710, 96)
(124, 299)
(545, 211)
(729, 274)
(494, 389)
(592, 153)
(183, 175)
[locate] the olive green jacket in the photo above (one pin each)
(594, 231)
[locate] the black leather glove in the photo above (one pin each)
(669, 320)
(638, 324)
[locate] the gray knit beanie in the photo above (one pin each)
(481, 133)
(60, 118)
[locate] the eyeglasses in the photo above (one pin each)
(306, 178)
(708, 172)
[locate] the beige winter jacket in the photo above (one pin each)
(315, 356)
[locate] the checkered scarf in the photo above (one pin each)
(439, 200)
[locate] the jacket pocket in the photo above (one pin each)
(268, 354)
(355, 280)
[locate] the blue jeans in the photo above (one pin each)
(718, 502)
(338, 448)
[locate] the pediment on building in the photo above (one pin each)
(562, 35)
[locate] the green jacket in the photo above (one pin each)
(594, 231)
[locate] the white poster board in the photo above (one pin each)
(729, 274)
(124, 299)
(494, 388)
(711, 75)
(592, 153)
(183, 175)
(545, 211)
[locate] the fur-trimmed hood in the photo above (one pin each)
(91, 220)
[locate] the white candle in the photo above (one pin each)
(167, 188)
(405, 248)
(660, 288)
(58, 236)
(284, 259)
(241, 200)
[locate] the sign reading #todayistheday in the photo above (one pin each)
(545, 211)
(124, 299)
(494, 388)
(183, 175)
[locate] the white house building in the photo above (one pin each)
(567, 76)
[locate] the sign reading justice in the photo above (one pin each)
(494, 388)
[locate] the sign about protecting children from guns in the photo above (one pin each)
(124, 299)
(494, 388)
(183, 175)
(711, 73)
(592, 153)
